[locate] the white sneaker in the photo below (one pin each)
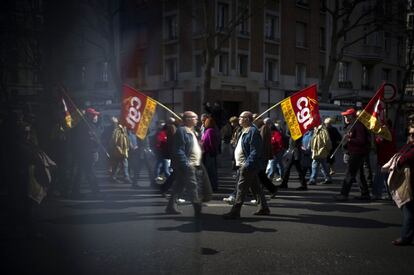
(254, 202)
(229, 200)
(181, 201)
(279, 179)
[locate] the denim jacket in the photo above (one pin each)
(252, 146)
(183, 143)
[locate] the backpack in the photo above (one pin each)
(320, 143)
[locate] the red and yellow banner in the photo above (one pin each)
(137, 111)
(301, 111)
(373, 116)
(68, 117)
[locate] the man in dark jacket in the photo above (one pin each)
(249, 158)
(186, 161)
(86, 146)
(357, 146)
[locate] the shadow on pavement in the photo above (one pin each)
(215, 223)
(346, 208)
(335, 221)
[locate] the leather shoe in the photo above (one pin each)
(302, 188)
(232, 215)
(363, 198)
(262, 212)
(400, 242)
(172, 210)
(341, 197)
(283, 185)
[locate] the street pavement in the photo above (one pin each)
(125, 231)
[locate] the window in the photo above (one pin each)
(399, 78)
(300, 34)
(321, 73)
(198, 17)
(171, 27)
(223, 67)
(243, 64)
(171, 69)
(83, 74)
(377, 38)
(102, 71)
(365, 78)
(386, 74)
(365, 36)
(387, 42)
(302, 2)
(142, 36)
(244, 10)
(322, 39)
(411, 80)
(343, 71)
(272, 27)
(222, 15)
(322, 5)
(400, 49)
(272, 70)
(300, 75)
(36, 77)
(198, 65)
(142, 74)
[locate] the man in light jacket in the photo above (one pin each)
(248, 155)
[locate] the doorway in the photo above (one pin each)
(231, 108)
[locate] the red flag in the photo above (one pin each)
(301, 111)
(373, 116)
(137, 111)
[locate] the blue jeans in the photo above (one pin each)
(407, 229)
(162, 166)
(276, 166)
(315, 168)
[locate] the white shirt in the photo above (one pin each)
(196, 153)
(239, 156)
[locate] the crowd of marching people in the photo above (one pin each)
(181, 158)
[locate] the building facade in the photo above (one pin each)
(281, 47)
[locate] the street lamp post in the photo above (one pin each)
(268, 100)
(173, 85)
(172, 97)
(266, 84)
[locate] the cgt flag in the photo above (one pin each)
(301, 111)
(373, 116)
(137, 111)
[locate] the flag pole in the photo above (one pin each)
(85, 120)
(268, 110)
(168, 109)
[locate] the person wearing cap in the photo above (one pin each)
(86, 152)
(356, 143)
(335, 138)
